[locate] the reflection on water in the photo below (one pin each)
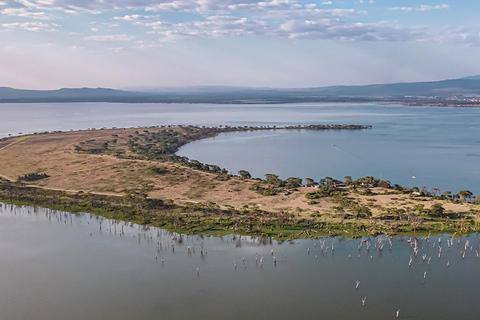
(54, 265)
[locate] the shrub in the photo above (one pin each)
(33, 177)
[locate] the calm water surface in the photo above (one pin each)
(55, 265)
(440, 147)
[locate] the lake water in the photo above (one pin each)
(440, 147)
(55, 265)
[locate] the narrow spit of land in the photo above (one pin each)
(134, 174)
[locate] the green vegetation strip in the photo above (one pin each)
(210, 219)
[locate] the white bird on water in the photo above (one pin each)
(398, 313)
(358, 283)
(363, 300)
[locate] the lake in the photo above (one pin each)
(411, 146)
(55, 265)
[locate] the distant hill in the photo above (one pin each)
(10, 93)
(471, 78)
(468, 86)
(434, 88)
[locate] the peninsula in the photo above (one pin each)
(133, 174)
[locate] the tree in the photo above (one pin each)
(348, 180)
(244, 174)
(273, 180)
(214, 168)
(329, 180)
(397, 187)
(384, 183)
(435, 191)
(414, 221)
(437, 210)
(447, 194)
(293, 182)
(309, 181)
(465, 194)
(419, 208)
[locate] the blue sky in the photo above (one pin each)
(48, 44)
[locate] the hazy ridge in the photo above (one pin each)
(442, 90)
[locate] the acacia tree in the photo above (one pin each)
(273, 180)
(293, 182)
(244, 174)
(465, 194)
(309, 181)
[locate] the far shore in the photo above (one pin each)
(413, 103)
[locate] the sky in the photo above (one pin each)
(50, 44)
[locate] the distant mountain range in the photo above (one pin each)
(434, 90)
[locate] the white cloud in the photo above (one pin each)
(136, 18)
(311, 13)
(212, 27)
(328, 29)
(223, 26)
(24, 13)
(266, 5)
(115, 37)
(174, 6)
(426, 8)
(32, 26)
(226, 18)
(421, 8)
(401, 9)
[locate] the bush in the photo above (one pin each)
(269, 192)
(222, 177)
(157, 170)
(436, 210)
(322, 192)
(33, 177)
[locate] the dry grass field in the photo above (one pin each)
(55, 155)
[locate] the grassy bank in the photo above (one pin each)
(210, 219)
